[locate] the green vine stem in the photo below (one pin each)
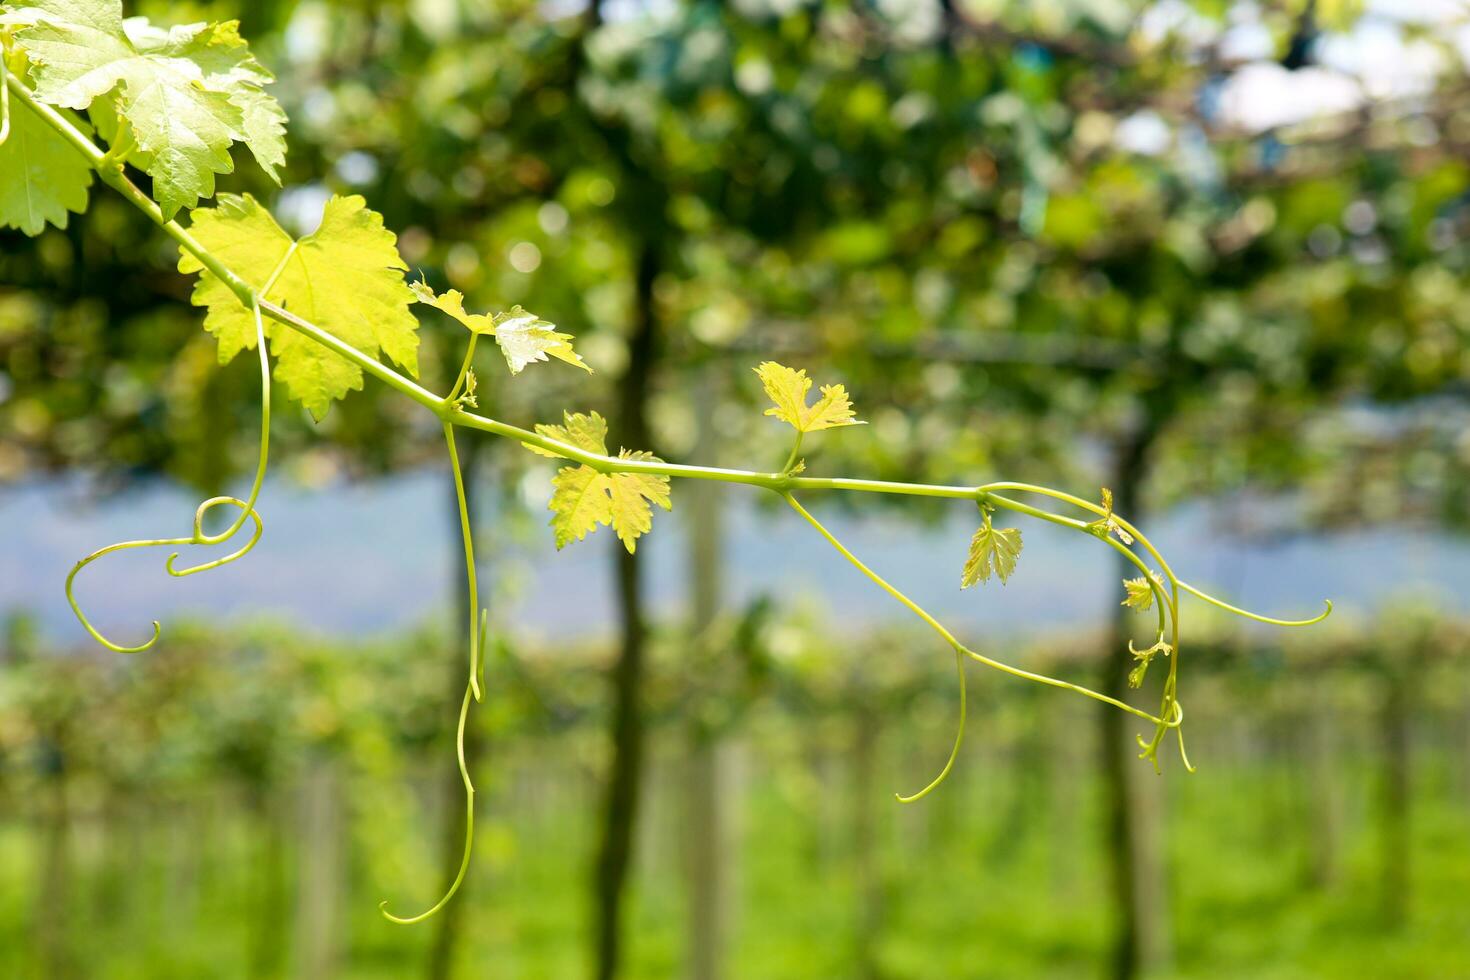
(464, 370)
(469, 564)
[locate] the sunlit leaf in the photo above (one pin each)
(992, 550)
(788, 389)
(346, 277)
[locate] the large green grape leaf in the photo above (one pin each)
(44, 177)
(187, 93)
(346, 277)
(585, 498)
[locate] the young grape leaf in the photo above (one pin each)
(1140, 594)
(187, 93)
(580, 503)
(585, 498)
(586, 432)
(991, 550)
(44, 176)
(788, 389)
(346, 277)
(523, 337)
(1108, 524)
(1144, 658)
(451, 301)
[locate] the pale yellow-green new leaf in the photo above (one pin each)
(1108, 524)
(631, 494)
(451, 301)
(1140, 594)
(579, 503)
(586, 432)
(346, 277)
(788, 389)
(585, 498)
(992, 550)
(523, 337)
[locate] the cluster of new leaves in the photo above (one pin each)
(585, 498)
(1108, 524)
(1139, 596)
(172, 102)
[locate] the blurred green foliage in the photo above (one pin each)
(235, 805)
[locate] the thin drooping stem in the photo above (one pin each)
(474, 689)
(959, 737)
(261, 459)
(464, 369)
(467, 533)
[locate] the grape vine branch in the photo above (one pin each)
(61, 57)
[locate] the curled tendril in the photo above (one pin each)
(960, 648)
(469, 829)
(196, 538)
(199, 537)
(1221, 604)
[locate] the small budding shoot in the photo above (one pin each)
(328, 308)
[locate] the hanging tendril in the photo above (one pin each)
(474, 690)
(198, 537)
(959, 738)
(469, 830)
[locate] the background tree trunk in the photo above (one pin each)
(53, 914)
(868, 881)
(319, 898)
(708, 838)
(1393, 800)
(620, 808)
(1132, 797)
